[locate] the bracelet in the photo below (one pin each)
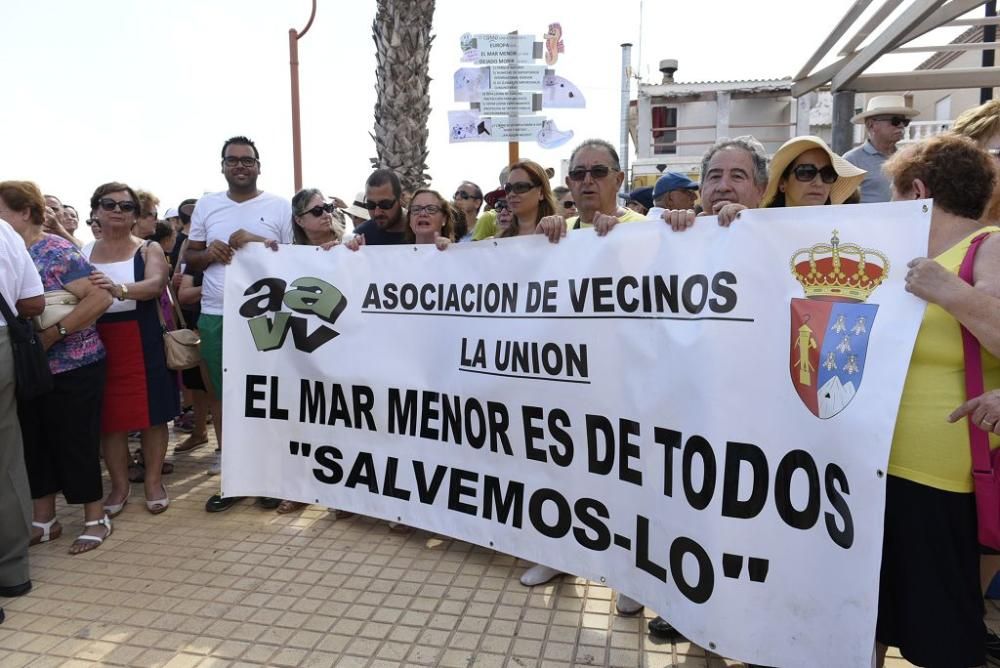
(124, 295)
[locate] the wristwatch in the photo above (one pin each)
(62, 330)
(124, 294)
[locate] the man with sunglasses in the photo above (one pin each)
(594, 178)
(387, 225)
(885, 119)
(468, 199)
(221, 224)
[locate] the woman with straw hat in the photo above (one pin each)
(806, 172)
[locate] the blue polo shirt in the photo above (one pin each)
(875, 187)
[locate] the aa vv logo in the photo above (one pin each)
(832, 325)
(270, 325)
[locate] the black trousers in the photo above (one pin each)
(62, 436)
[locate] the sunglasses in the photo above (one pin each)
(384, 204)
(109, 204)
(597, 171)
(319, 210)
(520, 187)
(232, 161)
(569, 204)
(807, 173)
(461, 194)
(897, 121)
(501, 204)
(430, 208)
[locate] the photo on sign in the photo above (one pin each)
(470, 82)
(552, 137)
(561, 93)
(468, 126)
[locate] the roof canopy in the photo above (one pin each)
(892, 30)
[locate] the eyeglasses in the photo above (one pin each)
(319, 210)
(807, 173)
(569, 204)
(897, 121)
(597, 171)
(430, 208)
(500, 205)
(232, 161)
(461, 194)
(520, 187)
(109, 204)
(384, 204)
(93, 222)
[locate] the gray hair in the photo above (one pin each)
(747, 143)
(597, 143)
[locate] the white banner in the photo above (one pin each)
(701, 420)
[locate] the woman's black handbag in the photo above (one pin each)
(31, 362)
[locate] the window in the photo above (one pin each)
(664, 130)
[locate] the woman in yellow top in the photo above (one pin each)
(930, 603)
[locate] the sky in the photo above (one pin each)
(146, 91)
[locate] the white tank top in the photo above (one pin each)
(118, 272)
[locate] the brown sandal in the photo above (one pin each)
(287, 506)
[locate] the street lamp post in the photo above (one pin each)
(293, 62)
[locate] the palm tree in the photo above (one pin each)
(402, 34)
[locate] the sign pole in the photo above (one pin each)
(512, 152)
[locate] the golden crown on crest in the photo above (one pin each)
(839, 271)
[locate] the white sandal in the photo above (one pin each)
(47, 531)
(115, 509)
(98, 540)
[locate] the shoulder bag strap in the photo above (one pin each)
(8, 315)
(978, 438)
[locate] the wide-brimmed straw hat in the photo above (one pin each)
(357, 207)
(849, 177)
(885, 105)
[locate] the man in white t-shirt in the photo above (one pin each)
(221, 224)
(21, 288)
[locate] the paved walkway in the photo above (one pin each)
(249, 587)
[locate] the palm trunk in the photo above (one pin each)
(402, 34)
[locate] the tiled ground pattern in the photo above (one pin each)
(249, 587)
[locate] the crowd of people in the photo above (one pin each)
(109, 300)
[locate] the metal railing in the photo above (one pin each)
(917, 131)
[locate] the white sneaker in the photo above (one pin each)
(539, 574)
(627, 606)
(216, 467)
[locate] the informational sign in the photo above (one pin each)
(648, 409)
(501, 88)
(503, 49)
(502, 103)
(517, 78)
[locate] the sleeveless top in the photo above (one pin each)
(926, 448)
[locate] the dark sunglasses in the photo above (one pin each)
(569, 204)
(597, 171)
(319, 210)
(500, 205)
(897, 121)
(384, 204)
(461, 194)
(430, 208)
(109, 204)
(231, 161)
(807, 173)
(520, 187)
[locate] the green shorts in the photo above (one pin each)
(210, 328)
